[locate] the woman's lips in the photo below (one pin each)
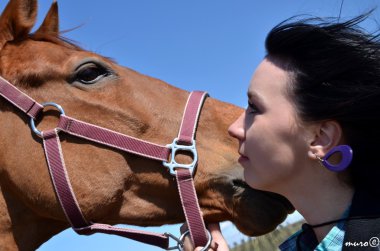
(242, 158)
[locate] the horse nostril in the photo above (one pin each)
(240, 183)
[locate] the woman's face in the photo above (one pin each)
(272, 144)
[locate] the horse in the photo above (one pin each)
(111, 186)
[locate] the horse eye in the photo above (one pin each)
(90, 74)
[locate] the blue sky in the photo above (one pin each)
(211, 45)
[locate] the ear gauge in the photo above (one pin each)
(346, 153)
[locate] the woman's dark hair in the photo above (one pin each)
(336, 69)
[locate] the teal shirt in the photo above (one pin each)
(333, 241)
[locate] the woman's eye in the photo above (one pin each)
(90, 74)
(252, 108)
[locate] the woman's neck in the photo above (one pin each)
(321, 201)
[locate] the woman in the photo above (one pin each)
(311, 131)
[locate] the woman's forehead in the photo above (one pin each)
(268, 80)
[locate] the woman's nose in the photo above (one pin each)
(236, 129)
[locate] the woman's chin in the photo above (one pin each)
(253, 180)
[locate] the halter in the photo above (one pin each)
(185, 141)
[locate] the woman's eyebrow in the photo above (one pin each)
(252, 95)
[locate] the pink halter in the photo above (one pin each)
(200, 236)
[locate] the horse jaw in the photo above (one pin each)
(253, 212)
(20, 227)
(227, 197)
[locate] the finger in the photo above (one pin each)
(217, 237)
(187, 243)
(213, 227)
(213, 247)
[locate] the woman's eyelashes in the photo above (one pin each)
(252, 108)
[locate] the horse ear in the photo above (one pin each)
(51, 21)
(17, 20)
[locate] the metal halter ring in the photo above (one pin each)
(181, 239)
(206, 247)
(32, 123)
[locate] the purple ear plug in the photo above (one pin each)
(346, 152)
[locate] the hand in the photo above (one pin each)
(218, 241)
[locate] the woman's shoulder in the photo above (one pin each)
(365, 203)
(363, 226)
(363, 233)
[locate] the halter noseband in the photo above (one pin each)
(200, 236)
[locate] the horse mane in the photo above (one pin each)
(55, 38)
(58, 39)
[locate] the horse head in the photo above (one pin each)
(111, 186)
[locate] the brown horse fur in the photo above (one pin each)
(111, 186)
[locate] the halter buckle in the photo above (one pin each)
(172, 164)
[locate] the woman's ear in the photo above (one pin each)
(327, 135)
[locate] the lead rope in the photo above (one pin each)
(200, 236)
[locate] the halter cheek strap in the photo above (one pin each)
(19, 99)
(183, 172)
